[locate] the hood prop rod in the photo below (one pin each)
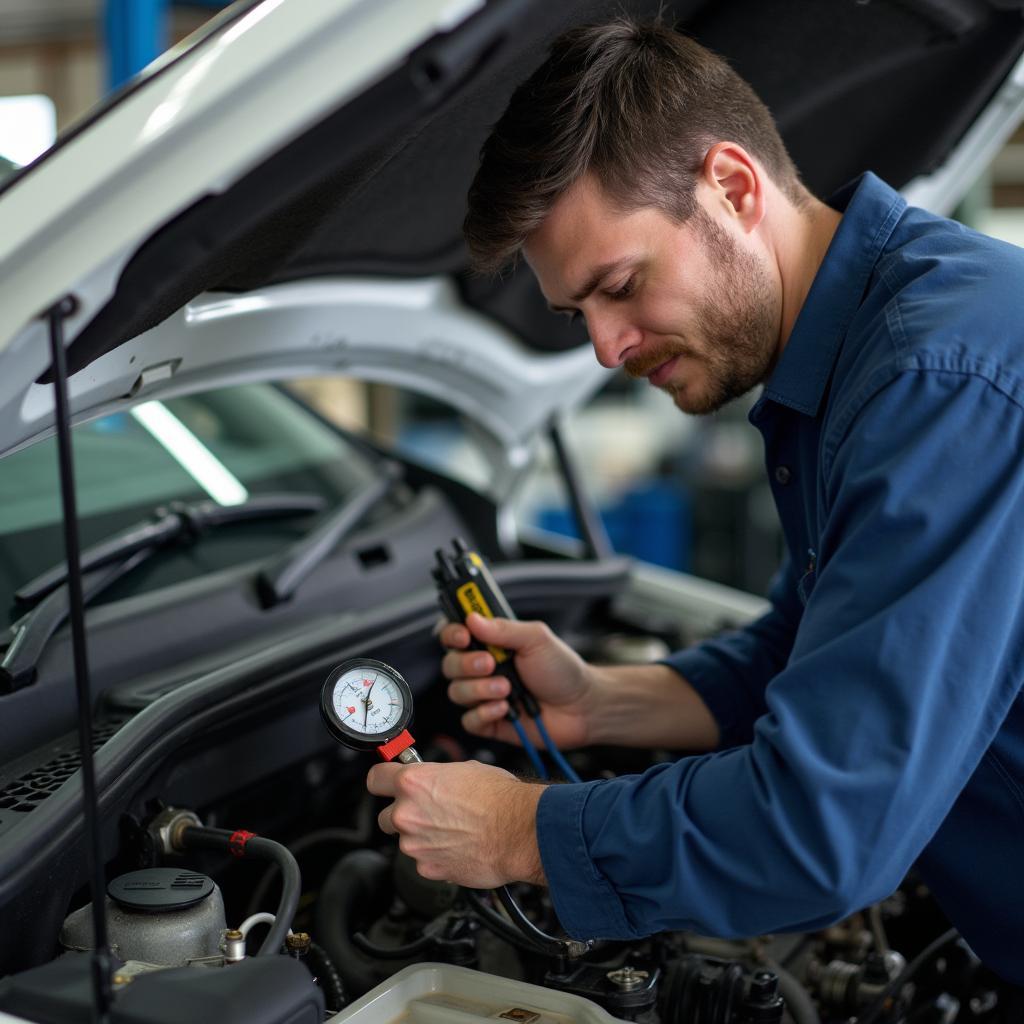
(101, 958)
(596, 542)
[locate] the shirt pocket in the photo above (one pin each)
(805, 584)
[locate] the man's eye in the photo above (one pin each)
(624, 291)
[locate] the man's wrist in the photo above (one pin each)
(649, 705)
(519, 852)
(601, 685)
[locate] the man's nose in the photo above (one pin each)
(612, 338)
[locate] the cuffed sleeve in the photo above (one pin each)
(585, 901)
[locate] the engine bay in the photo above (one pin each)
(242, 751)
(240, 848)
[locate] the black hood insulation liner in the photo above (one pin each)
(378, 187)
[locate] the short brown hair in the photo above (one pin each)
(638, 105)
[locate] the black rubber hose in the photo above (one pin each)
(355, 893)
(497, 924)
(243, 844)
(354, 837)
(515, 935)
(874, 1011)
(410, 949)
(542, 942)
(327, 976)
(796, 997)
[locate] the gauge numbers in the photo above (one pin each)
(365, 703)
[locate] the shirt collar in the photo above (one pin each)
(870, 211)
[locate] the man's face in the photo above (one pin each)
(683, 305)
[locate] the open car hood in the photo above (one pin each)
(283, 195)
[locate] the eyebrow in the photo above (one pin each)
(595, 278)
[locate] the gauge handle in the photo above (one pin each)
(400, 749)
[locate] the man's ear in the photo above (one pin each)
(736, 183)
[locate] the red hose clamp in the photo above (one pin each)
(390, 750)
(236, 844)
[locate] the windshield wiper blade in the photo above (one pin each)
(27, 637)
(107, 562)
(279, 580)
(171, 522)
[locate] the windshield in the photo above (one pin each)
(227, 445)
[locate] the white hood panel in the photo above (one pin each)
(72, 223)
(413, 334)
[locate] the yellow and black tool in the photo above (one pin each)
(465, 584)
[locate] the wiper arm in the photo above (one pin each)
(171, 522)
(279, 580)
(110, 560)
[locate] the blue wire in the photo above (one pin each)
(530, 749)
(556, 755)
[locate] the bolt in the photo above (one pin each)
(627, 979)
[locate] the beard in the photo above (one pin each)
(738, 330)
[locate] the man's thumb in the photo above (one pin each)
(509, 633)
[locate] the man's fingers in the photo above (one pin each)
(380, 780)
(455, 664)
(385, 822)
(469, 692)
(454, 634)
(484, 719)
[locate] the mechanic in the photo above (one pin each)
(873, 718)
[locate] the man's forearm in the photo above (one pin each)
(649, 706)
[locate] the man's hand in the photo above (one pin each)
(630, 705)
(550, 669)
(467, 823)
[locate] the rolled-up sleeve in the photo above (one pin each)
(906, 659)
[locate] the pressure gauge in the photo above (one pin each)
(367, 705)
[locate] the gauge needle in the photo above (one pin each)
(366, 700)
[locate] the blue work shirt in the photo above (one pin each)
(873, 718)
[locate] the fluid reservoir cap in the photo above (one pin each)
(160, 889)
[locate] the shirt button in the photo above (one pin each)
(783, 475)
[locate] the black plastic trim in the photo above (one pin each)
(252, 682)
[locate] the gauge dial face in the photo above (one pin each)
(365, 703)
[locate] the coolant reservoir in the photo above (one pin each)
(441, 994)
(162, 916)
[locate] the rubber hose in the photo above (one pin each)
(543, 943)
(409, 950)
(356, 892)
(291, 890)
(258, 847)
(796, 997)
(327, 976)
(874, 1011)
(357, 836)
(499, 925)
